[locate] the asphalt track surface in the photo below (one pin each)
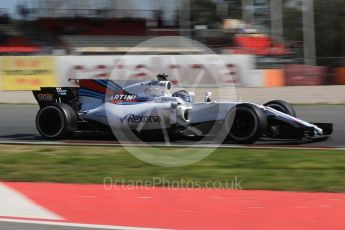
(17, 124)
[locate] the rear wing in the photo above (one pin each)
(67, 95)
(90, 88)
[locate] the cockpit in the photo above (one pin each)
(184, 95)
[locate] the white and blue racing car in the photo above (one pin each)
(148, 107)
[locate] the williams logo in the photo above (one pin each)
(136, 119)
(153, 83)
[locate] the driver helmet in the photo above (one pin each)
(184, 95)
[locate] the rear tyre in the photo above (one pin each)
(282, 106)
(56, 121)
(248, 124)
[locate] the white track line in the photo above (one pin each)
(59, 143)
(15, 204)
(77, 225)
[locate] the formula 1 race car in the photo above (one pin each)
(102, 106)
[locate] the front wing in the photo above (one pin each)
(285, 126)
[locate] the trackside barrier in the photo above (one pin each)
(273, 78)
(304, 75)
(254, 79)
(183, 70)
(32, 72)
(340, 76)
(27, 73)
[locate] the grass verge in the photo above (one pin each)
(269, 169)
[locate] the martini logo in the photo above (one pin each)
(121, 97)
(137, 119)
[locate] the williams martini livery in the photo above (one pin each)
(148, 107)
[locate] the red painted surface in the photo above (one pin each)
(260, 45)
(189, 209)
(19, 49)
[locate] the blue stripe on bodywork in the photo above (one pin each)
(108, 84)
(90, 93)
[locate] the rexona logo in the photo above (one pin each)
(136, 119)
(121, 97)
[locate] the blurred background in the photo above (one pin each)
(293, 42)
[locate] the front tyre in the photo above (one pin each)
(248, 123)
(56, 121)
(282, 106)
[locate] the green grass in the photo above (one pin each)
(271, 169)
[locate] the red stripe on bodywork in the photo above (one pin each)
(92, 85)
